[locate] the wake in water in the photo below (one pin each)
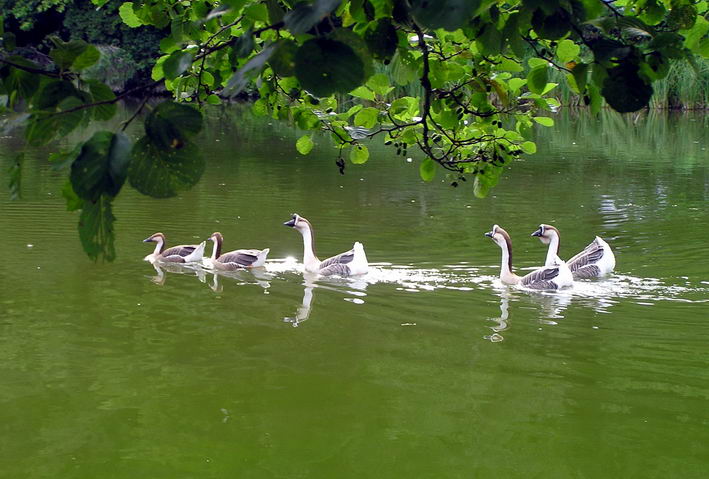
(599, 295)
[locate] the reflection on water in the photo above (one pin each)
(599, 295)
(104, 373)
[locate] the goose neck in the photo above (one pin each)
(217, 250)
(553, 250)
(160, 246)
(309, 257)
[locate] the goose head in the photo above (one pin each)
(155, 238)
(545, 233)
(298, 222)
(499, 236)
(216, 237)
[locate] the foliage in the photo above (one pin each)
(28, 12)
(475, 77)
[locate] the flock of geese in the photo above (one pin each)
(597, 259)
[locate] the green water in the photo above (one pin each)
(427, 367)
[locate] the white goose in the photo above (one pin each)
(237, 259)
(596, 259)
(352, 262)
(177, 254)
(554, 276)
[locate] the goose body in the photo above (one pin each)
(177, 254)
(349, 263)
(554, 276)
(237, 259)
(596, 259)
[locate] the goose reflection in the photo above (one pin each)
(355, 287)
(500, 321)
(242, 277)
(176, 268)
(552, 307)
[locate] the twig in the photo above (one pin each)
(134, 115)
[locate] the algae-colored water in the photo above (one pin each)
(426, 367)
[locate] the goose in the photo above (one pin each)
(554, 276)
(237, 259)
(596, 259)
(349, 263)
(177, 254)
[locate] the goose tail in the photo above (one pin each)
(197, 254)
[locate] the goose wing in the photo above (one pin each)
(590, 255)
(342, 258)
(541, 278)
(177, 252)
(337, 269)
(241, 257)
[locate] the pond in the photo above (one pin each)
(426, 367)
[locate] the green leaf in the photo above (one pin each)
(102, 166)
(213, 100)
(359, 154)
(65, 54)
(382, 40)
(380, 84)
(427, 169)
(447, 14)
(52, 93)
(87, 58)
(486, 179)
(101, 92)
(553, 26)
(537, 79)
(176, 64)
(73, 202)
(567, 50)
(624, 90)
(363, 92)
(257, 13)
(127, 14)
(324, 66)
(304, 145)
(304, 16)
(41, 128)
(164, 173)
(529, 147)
(96, 229)
(366, 117)
(283, 59)
(25, 83)
(544, 120)
(241, 78)
(516, 83)
(170, 124)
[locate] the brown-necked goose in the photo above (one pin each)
(352, 262)
(596, 259)
(177, 254)
(555, 276)
(237, 259)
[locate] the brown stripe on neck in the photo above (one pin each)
(218, 244)
(558, 237)
(312, 235)
(509, 246)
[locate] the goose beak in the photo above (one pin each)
(148, 240)
(489, 234)
(538, 232)
(290, 222)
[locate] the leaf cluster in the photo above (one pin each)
(476, 73)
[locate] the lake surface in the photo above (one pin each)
(426, 367)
